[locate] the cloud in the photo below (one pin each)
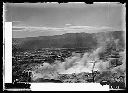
(69, 29)
(18, 28)
(16, 21)
(68, 24)
(89, 27)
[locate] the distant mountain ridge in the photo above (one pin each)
(68, 40)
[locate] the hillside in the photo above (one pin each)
(68, 40)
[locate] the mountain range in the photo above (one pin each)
(68, 40)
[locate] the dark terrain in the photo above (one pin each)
(69, 40)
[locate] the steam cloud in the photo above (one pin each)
(78, 63)
(73, 64)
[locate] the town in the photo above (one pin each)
(25, 61)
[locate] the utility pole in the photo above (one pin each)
(93, 74)
(93, 66)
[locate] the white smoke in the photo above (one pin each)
(77, 64)
(84, 64)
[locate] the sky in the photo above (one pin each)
(47, 19)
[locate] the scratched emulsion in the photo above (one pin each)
(68, 43)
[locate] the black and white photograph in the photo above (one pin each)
(68, 43)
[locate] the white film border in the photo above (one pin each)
(68, 87)
(7, 60)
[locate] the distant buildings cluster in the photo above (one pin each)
(44, 55)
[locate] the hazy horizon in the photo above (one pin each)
(59, 34)
(42, 19)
